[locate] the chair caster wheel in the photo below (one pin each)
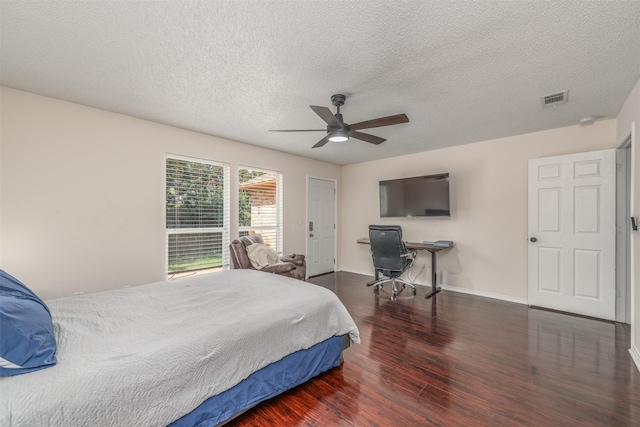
(414, 291)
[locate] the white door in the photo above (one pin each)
(321, 226)
(572, 233)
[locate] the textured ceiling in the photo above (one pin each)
(462, 71)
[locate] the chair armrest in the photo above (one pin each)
(411, 253)
(279, 268)
(297, 259)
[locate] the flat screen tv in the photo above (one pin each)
(416, 196)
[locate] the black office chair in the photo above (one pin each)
(390, 256)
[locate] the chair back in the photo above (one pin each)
(387, 247)
(251, 239)
(238, 251)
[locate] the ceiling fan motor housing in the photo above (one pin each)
(338, 133)
(338, 100)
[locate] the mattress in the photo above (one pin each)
(149, 355)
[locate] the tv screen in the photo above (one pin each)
(416, 196)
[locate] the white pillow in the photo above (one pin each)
(261, 255)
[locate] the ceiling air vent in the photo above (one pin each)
(555, 99)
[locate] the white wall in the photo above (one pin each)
(82, 202)
(488, 201)
(83, 193)
(628, 115)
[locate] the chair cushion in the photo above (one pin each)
(27, 339)
(261, 255)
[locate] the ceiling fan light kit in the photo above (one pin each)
(339, 135)
(339, 131)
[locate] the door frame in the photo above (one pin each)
(335, 217)
(624, 184)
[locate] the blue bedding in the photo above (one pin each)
(269, 381)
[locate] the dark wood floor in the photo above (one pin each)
(461, 360)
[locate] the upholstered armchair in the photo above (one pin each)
(290, 265)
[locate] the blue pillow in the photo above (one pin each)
(27, 341)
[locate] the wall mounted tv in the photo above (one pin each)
(416, 196)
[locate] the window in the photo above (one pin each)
(260, 205)
(197, 205)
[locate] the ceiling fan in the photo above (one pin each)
(339, 131)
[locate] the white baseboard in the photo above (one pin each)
(635, 355)
(364, 273)
(485, 294)
(457, 289)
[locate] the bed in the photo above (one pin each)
(190, 352)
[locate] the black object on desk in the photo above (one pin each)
(431, 247)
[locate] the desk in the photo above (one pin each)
(421, 247)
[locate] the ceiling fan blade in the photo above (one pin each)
(372, 139)
(326, 115)
(382, 121)
(297, 130)
(322, 142)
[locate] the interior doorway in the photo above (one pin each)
(321, 226)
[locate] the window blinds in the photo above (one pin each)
(197, 214)
(260, 205)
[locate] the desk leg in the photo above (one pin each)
(434, 288)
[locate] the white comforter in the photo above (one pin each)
(150, 354)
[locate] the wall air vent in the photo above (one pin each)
(555, 99)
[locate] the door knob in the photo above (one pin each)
(533, 239)
(310, 234)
